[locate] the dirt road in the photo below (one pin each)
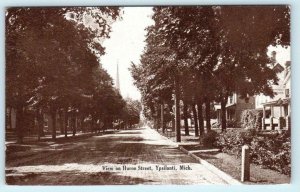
(139, 156)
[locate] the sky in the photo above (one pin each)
(125, 45)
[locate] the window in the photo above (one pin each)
(287, 92)
(230, 99)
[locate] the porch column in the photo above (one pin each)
(288, 118)
(280, 119)
(272, 111)
(263, 127)
(271, 118)
(227, 114)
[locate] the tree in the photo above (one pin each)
(219, 47)
(48, 57)
(131, 112)
(243, 65)
(152, 80)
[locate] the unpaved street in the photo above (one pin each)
(139, 156)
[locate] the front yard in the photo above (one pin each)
(270, 153)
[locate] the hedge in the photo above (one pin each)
(272, 150)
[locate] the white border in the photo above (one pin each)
(295, 56)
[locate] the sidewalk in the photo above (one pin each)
(190, 145)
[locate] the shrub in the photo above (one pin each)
(231, 123)
(209, 138)
(251, 119)
(232, 141)
(270, 150)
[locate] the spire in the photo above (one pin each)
(117, 79)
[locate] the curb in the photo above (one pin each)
(227, 178)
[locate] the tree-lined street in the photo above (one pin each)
(68, 121)
(81, 162)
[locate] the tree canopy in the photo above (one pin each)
(53, 62)
(214, 51)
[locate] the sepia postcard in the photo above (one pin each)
(163, 95)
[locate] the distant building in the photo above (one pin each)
(234, 107)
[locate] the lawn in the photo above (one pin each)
(232, 166)
(229, 163)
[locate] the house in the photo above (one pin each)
(234, 107)
(277, 110)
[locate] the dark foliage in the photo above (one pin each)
(53, 65)
(270, 150)
(208, 139)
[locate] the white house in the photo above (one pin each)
(276, 110)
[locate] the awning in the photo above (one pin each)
(230, 106)
(278, 102)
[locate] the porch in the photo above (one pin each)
(277, 115)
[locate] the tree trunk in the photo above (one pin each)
(162, 121)
(157, 121)
(103, 125)
(93, 124)
(66, 123)
(74, 119)
(173, 124)
(157, 109)
(19, 124)
(223, 115)
(195, 119)
(177, 110)
(82, 124)
(207, 115)
(53, 116)
(40, 123)
(61, 122)
(42, 132)
(200, 116)
(186, 125)
(37, 115)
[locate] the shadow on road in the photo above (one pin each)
(80, 161)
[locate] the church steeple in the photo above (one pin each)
(117, 78)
